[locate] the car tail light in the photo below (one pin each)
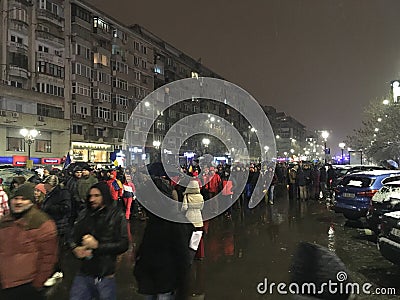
(370, 193)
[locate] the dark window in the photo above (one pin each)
(18, 60)
(15, 144)
(43, 146)
(77, 129)
(49, 111)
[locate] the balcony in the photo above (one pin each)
(44, 14)
(81, 117)
(102, 34)
(48, 37)
(54, 59)
(19, 26)
(17, 47)
(19, 72)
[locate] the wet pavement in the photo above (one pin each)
(257, 245)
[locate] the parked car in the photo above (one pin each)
(387, 199)
(343, 170)
(389, 239)
(354, 192)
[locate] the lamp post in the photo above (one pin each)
(29, 138)
(205, 142)
(342, 145)
(252, 129)
(325, 135)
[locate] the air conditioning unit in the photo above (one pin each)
(40, 118)
(114, 73)
(15, 115)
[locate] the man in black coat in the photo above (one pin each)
(99, 236)
(164, 258)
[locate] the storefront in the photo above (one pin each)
(91, 152)
(137, 156)
(20, 160)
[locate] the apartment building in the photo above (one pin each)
(72, 73)
(290, 134)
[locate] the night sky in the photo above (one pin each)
(320, 61)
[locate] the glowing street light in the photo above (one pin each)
(156, 144)
(29, 138)
(325, 135)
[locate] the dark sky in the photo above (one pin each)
(320, 61)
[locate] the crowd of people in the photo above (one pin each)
(86, 212)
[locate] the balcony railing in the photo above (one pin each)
(48, 57)
(19, 72)
(49, 16)
(50, 37)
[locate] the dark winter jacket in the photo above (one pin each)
(301, 177)
(163, 258)
(108, 226)
(57, 204)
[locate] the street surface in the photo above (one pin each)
(258, 244)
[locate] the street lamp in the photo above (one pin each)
(252, 129)
(342, 145)
(206, 142)
(29, 138)
(325, 135)
(156, 144)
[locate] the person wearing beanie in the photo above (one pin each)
(57, 204)
(99, 236)
(15, 183)
(39, 193)
(26, 261)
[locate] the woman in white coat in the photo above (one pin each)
(193, 203)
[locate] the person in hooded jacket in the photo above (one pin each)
(99, 236)
(192, 205)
